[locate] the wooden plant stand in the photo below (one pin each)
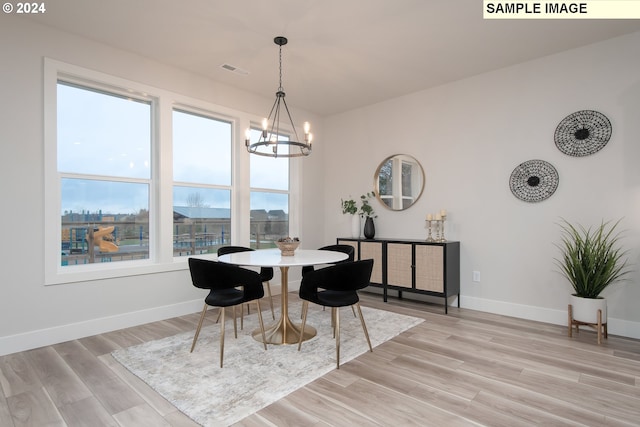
(600, 327)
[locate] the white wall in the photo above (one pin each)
(469, 136)
(32, 314)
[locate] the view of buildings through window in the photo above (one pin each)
(104, 146)
(104, 164)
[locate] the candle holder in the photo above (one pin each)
(429, 237)
(441, 235)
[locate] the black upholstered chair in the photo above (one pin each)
(229, 286)
(347, 249)
(266, 273)
(336, 286)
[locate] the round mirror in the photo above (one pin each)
(398, 182)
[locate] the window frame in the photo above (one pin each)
(161, 257)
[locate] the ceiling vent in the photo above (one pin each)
(234, 69)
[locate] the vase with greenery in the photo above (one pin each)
(367, 212)
(350, 207)
(591, 260)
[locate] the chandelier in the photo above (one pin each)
(271, 142)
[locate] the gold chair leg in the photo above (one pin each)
(364, 326)
(337, 333)
(305, 307)
(235, 323)
(195, 337)
(354, 311)
(218, 318)
(221, 336)
(273, 313)
(242, 317)
(264, 337)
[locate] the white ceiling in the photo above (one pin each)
(342, 54)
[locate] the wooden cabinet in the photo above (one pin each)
(411, 266)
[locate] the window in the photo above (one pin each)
(138, 178)
(269, 181)
(103, 161)
(202, 183)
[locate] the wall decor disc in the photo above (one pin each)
(583, 133)
(534, 181)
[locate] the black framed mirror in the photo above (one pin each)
(399, 182)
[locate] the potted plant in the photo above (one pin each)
(591, 260)
(349, 207)
(367, 212)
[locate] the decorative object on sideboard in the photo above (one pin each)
(271, 138)
(288, 245)
(367, 212)
(350, 207)
(399, 182)
(591, 260)
(583, 133)
(534, 181)
(438, 224)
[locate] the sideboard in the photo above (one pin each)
(417, 266)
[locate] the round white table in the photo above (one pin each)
(284, 331)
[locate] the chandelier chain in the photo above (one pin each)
(280, 89)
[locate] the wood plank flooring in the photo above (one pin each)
(463, 369)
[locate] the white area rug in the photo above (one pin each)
(251, 378)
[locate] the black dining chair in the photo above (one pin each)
(229, 286)
(347, 249)
(336, 286)
(266, 273)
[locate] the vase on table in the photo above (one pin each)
(355, 226)
(369, 228)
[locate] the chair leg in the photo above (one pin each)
(264, 337)
(354, 311)
(305, 308)
(337, 334)
(235, 323)
(195, 337)
(218, 318)
(222, 335)
(364, 326)
(273, 314)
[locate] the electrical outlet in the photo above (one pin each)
(476, 276)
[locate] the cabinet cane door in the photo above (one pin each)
(399, 264)
(430, 268)
(373, 250)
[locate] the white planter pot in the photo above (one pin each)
(586, 309)
(355, 226)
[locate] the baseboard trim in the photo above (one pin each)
(621, 327)
(49, 336)
(43, 337)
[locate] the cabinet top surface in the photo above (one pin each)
(394, 240)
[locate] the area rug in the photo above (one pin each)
(251, 378)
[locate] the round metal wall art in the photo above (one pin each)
(534, 181)
(583, 133)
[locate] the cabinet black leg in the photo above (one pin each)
(458, 299)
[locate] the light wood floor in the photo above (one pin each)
(466, 368)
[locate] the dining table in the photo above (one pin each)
(284, 330)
